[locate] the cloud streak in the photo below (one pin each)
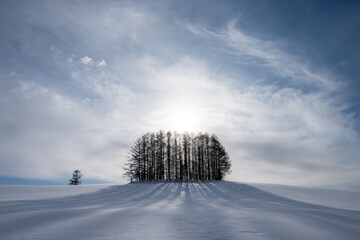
(265, 53)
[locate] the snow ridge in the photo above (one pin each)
(172, 210)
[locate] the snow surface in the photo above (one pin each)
(169, 210)
(20, 192)
(326, 197)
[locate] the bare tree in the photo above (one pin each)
(168, 153)
(173, 156)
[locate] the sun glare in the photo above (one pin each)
(182, 120)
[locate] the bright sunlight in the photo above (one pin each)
(183, 119)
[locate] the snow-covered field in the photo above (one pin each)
(165, 210)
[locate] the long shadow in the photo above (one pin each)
(211, 202)
(343, 224)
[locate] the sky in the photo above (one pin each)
(276, 81)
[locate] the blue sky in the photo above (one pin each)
(277, 81)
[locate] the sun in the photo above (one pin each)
(183, 120)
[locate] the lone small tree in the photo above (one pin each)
(75, 180)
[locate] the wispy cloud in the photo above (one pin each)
(233, 40)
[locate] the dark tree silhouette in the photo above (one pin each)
(173, 156)
(75, 180)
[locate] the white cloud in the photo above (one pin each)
(86, 60)
(89, 61)
(102, 63)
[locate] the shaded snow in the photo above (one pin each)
(163, 210)
(20, 192)
(326, 197)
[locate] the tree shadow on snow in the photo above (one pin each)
(214, 209)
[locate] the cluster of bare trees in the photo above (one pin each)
(173, 156)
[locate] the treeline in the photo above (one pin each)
(173, 156)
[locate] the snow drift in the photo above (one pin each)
(169, 210)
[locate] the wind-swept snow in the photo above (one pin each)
(168, 210)
(326, 197)
(19, 192)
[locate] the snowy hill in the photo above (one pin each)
(162, 210)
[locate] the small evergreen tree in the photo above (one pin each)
(75, 180)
